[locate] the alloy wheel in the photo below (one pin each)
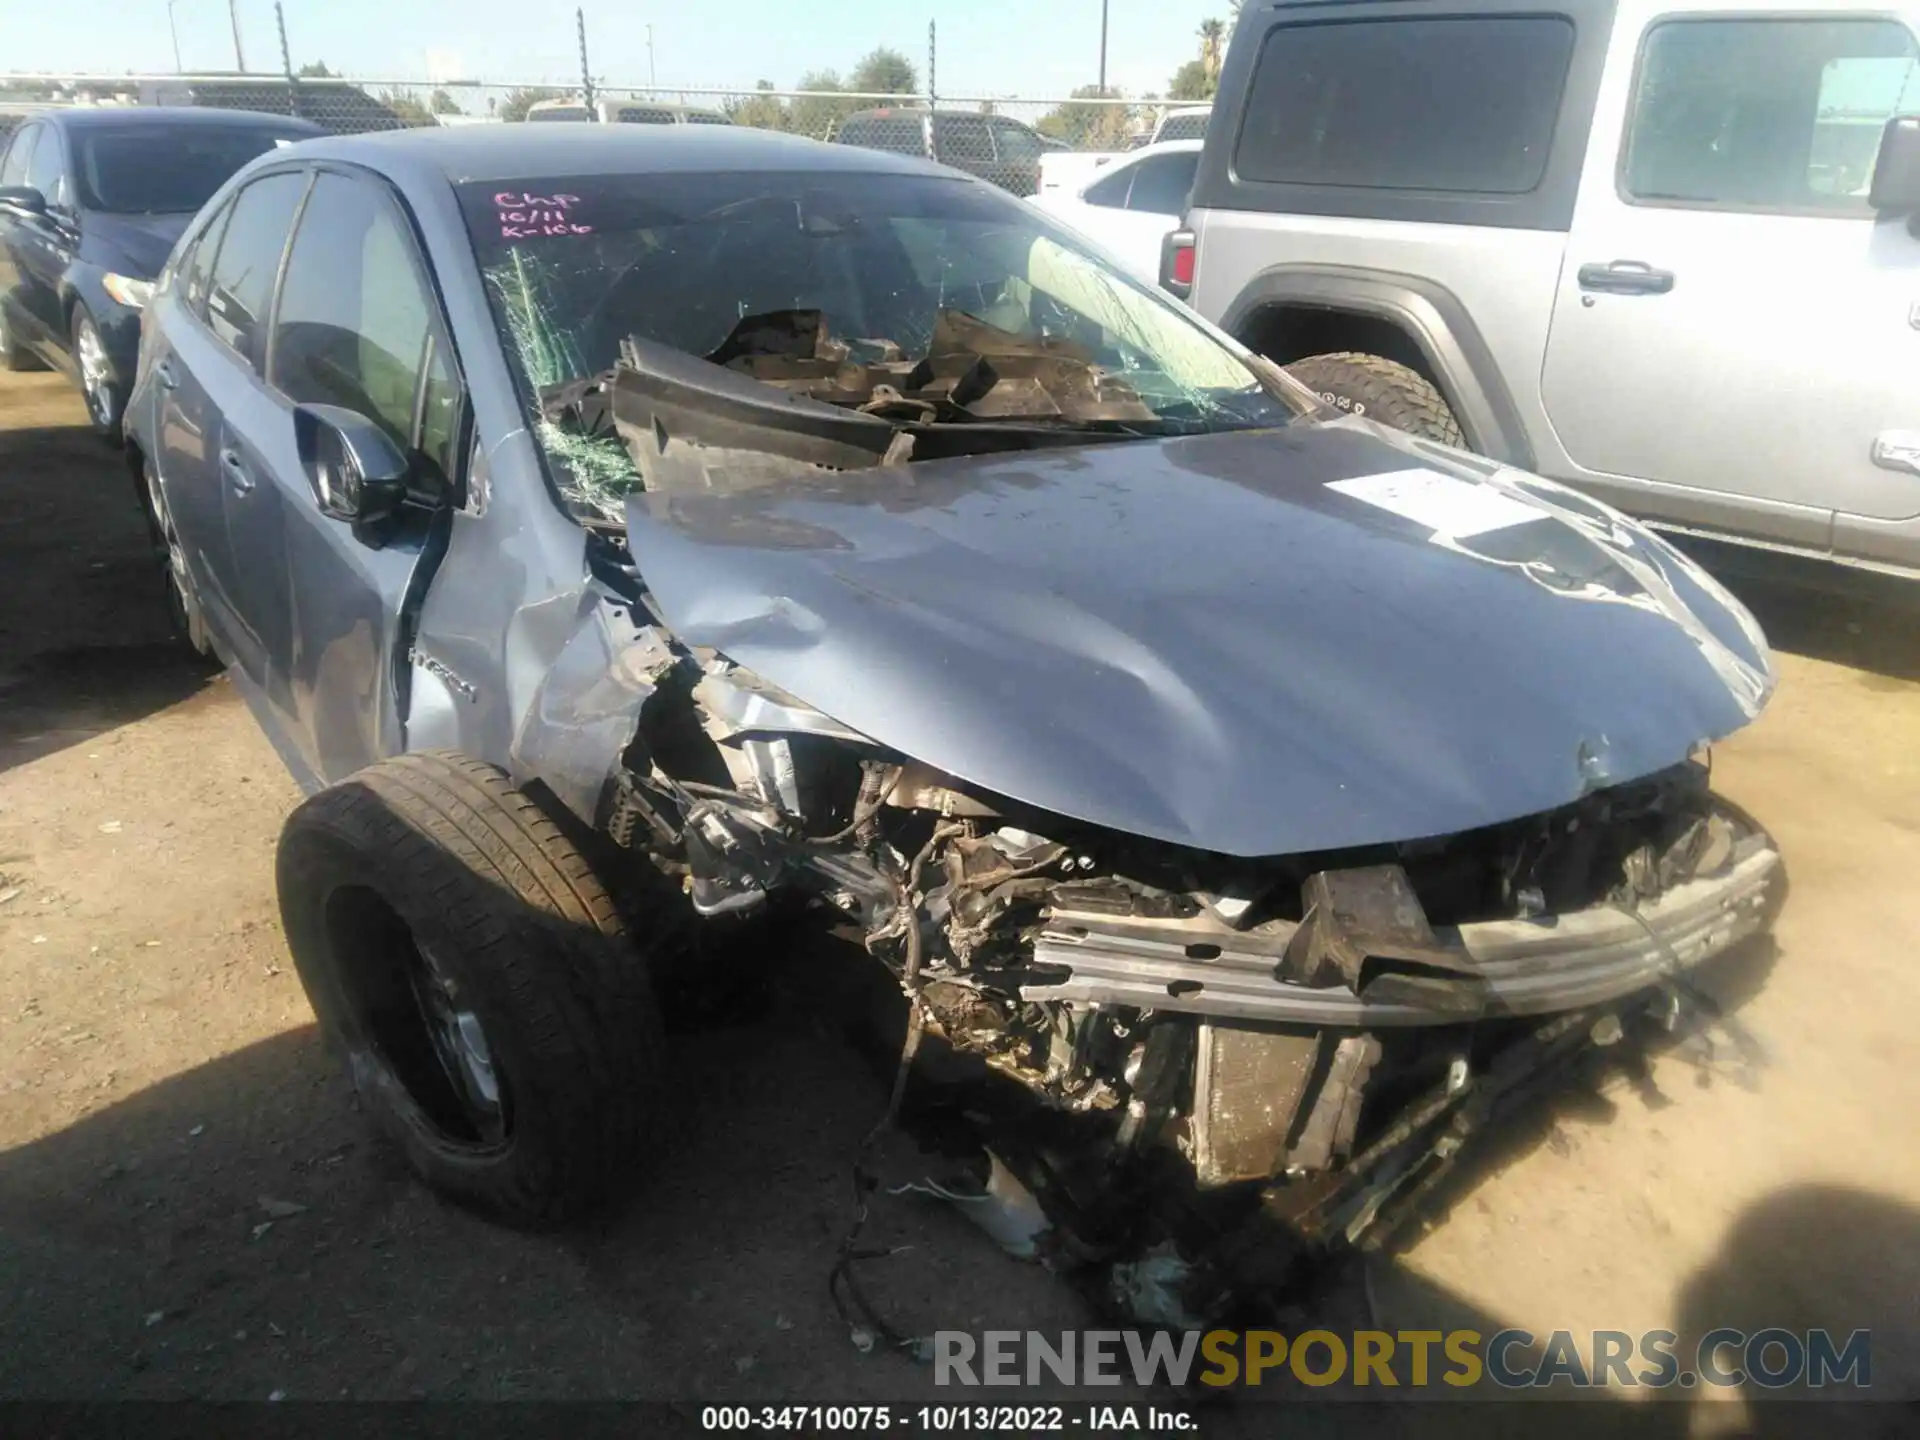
(96, 375)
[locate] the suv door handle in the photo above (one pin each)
(235, 472)
(1626, 277)
(1898, 450)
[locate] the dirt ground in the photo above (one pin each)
(189, 1207)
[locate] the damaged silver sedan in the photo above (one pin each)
(624, 533)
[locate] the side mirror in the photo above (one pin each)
(1896, 173)
(23, 199)
(357, 473)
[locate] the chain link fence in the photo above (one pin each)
(1002, 139)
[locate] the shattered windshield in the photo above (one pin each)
(933, 305)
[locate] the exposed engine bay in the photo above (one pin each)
(1301, 1042)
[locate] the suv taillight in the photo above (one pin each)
(1176, 263)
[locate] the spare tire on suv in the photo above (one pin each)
(1382, 390)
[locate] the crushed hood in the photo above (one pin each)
(1256, 643)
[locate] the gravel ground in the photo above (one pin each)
(189, 1207)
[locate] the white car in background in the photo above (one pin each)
(1131, 204)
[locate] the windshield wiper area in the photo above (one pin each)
(780, 397)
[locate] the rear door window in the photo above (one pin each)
(357, 324)
(1457, 104)
(1773, 114)
(196, 266)
(240, 292)
(1161, 184)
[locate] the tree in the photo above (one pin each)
(1090, 127)
(523, 98)
(1212, 38)
(1192, 82)
(407, 106)
(820, 111)
(884, 72)
(441, 103)
(314, 70)
(762, 110)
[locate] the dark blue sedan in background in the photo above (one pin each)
(91, 201)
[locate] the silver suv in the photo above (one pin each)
(1643, 248)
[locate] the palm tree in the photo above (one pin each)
(1212, 33)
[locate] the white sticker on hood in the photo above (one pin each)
(1444, 504)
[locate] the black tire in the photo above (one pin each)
(104, 391)
(184, 614)
(14, 355)
(433, 863)
(1382, 390)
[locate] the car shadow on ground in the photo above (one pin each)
(1858, 618)
(85, 643)
(233, 1231)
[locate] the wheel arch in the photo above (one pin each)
(1301, 310)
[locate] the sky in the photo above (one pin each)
(1037, 48)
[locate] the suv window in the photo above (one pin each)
(1766, 114)
(241, 282)
(1015, 142)
(356, 321)
(963, 138)
(1160, 185)
(899, 133)
(46, 172)
(13, 171)
(1463, 104)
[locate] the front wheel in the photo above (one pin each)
(1382, 390)
(458, 948)
(105, 396)
(184, 613)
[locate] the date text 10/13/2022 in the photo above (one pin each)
(951, 1419)
(524, 215)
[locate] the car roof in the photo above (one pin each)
(121, 117)
(522, 152)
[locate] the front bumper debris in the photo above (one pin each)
(1504, 967)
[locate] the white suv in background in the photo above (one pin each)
(1129, 205)
(1643, 248)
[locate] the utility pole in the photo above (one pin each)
(586, 76)
(653, 74)
(1103, 47)
(174, 30)
(233, 15)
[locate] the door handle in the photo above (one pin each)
(1898, 450)
(164, 377)
(235, 472)
(1626, 277)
